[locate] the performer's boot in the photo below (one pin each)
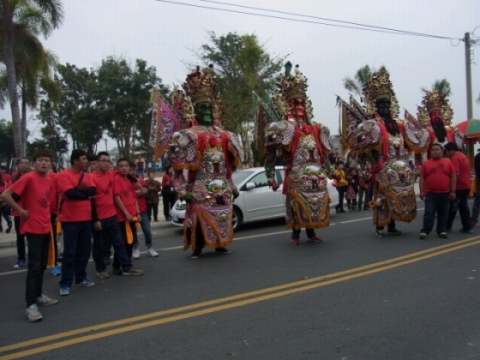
(392, 230)
(196, 253)
(222, 250)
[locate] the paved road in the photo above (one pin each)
(352, 297)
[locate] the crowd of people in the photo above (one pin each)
(95, 199)
(95, 205)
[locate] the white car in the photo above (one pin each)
(257, 201)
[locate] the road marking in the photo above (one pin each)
(225, 303)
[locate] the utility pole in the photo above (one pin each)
(468, 74)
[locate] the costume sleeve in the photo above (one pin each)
(279, 134)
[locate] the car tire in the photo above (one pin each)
(237, 218)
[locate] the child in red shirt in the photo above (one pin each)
(126, 204)
(141, 191)
(34, 189)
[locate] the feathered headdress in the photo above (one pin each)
(380, 87)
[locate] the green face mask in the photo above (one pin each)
(203, 113)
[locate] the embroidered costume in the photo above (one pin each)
(303, 146)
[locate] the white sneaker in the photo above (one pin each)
(136, 253)
(46, 300)
(151, 252)
(33, 314)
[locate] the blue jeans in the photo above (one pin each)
(111, 234)
(145, 224)
(77, 247)
(436, 203)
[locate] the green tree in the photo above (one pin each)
(78, 111)
(124, 96)
(242, 65)
(11, 13)
(356, 84)
(51, 137)
(442, 86)
(7, 148)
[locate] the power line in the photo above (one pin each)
(327, 19)
(352, 25)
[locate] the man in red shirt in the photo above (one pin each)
(437, 187)
(106, 228)
(34, 189)
(23, 167)
(5, 182)
(77, 190)
(127, 207)
(141, 191)
(464, 182)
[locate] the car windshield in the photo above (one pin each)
(241, 175)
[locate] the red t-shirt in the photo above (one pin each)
(437, 175)
(126, 190)
(104, 197)
(53, 192)
(13, 179)
(7, 179)
(462, 168)
(74, 210)
(34, 190)
(142, 203)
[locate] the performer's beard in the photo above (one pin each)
(391, 125)
(439, 129)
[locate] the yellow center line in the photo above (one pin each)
(260, 295)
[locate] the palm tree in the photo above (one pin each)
(360, 79)
(442, 86)
(39, 17)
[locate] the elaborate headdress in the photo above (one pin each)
(379, 87)
(292, 87)
(422, 116)
(433, 100)
(201, 86)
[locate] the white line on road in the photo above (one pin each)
(236, 239)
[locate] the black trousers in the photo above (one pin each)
(128, 247)
(37, 263)
(152, 208)
(20, 239)
(462, 201)
(168, 202)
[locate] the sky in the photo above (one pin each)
(167, 35)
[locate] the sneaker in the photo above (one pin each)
(9, 228)
(20, 263)
(56, 271)
(132, 272)
(33, 314)
(85, 283)
(379, 233)
(443, 235)
(394, 232)
(117, 271)
(424, 235)
(222, 250)
(296, 241)
(473, 223)
(46, 301)
(151, 252)
(64, 291)
(469, 231)
(103, 274)
(196, 254)
(136, 253)
(315, 238)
